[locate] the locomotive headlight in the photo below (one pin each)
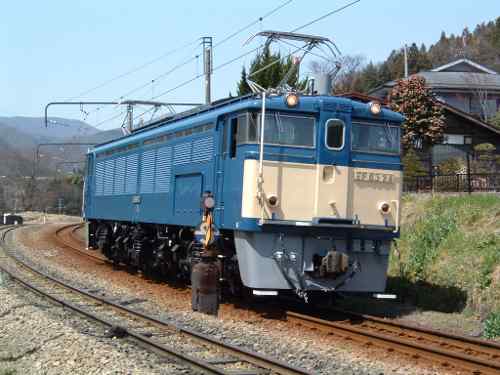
(272, 200)
(209, 202)
(292, 100)
(384, 208)
(375, 108)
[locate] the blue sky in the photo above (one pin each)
(55, 49)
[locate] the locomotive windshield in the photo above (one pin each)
(280, 129)
(376, 138)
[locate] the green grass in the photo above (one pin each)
(8, 372)
(449, 250)
(492, 326)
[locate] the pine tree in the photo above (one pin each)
(276, 69)
(243, 87)
(424, 122)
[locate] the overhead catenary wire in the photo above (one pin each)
(121, 113)
(218, 67)
(133, 70)
(171, 52)
(326, 15)
(318, 19)
(253, 23)
(184, 63)
(255, 49)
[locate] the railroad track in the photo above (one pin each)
(65, 235)
(200, 352)
(451, 352)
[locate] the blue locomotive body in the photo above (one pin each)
(316, 211)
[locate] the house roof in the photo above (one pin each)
(454, 81)
(367, 98)
(468, 117)
(462, 74)
(454, 65)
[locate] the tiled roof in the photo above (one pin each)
(455, 80)
(456, 63)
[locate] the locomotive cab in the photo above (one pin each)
(325, 205)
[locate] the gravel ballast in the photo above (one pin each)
(37, 337)
(299, 347)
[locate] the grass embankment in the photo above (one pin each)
(448, 256)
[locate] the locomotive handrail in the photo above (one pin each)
(396, 204)
(260, 182)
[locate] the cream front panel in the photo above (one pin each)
(306, 191)
(371, 188)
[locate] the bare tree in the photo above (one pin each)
(478, 85)
(347, 70)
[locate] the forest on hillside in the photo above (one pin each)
(481, 45)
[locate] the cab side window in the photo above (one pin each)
(233, 137)
(335, 134)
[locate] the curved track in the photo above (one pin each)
(198, 351)
(450, 352)
(65, 235)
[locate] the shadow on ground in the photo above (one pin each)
(412, 296)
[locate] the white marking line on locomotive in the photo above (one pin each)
(385, 296)
(264, 292)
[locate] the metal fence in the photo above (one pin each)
(473, 182)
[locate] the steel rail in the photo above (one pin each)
(430, 331)
(58, 236)
(444, 357)
(479, 344)
(262, 362)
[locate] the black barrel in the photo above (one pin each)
(205, 286)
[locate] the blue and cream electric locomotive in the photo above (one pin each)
(303, 193)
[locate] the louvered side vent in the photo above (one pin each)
(163, 169)
(109, 177)
(131, 179)
(203, 149)
(120, 171)
(148, 171)
(182, 153)
(99, 177)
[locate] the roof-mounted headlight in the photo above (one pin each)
(292, 100)
(375, 108)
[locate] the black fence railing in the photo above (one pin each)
(474, 182)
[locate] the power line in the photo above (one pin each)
(133, 70)
(325, 16)
(271, 12)
(171, 52)
(121, 113)
(218, 67)
(255, 49)
(229, 37)
(337, 10)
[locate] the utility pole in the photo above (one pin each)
(406, 60)
(130, 118)
(60, 205)
(207, 67)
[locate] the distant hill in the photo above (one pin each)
(58, 127)
(481, 45)
(19, 137)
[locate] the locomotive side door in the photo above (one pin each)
(219, 171)
(88, 186)
(228, 173)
